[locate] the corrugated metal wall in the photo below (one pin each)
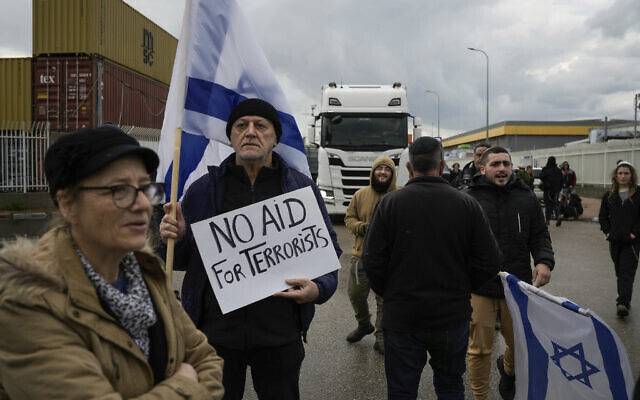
(80, 92)
(131, 99)
(109, 28)
(15, 89)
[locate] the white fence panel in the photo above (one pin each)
(22, 149)
(593, 163)
(148, 137)
(23, 146)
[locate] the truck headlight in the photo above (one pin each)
(327, 195)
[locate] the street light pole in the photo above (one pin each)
(485, 54)
(635, 114)
(431, 91)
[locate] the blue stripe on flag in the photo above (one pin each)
(571, 306)
(217, 101)
(537, 357)
(191, 151)
(211, 99)
(611, 360)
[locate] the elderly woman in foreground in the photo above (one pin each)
(87, 311)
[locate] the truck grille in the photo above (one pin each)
(355, 182)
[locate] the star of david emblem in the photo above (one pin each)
(576, 352)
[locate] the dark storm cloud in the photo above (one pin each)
(623, 16)
(549, 59)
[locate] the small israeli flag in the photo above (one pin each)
(218, 64)
(563, 351)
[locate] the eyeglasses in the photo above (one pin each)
(495, 164)
(125, 195)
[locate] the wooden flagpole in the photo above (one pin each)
(174, 197)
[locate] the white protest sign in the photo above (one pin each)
(249, 252)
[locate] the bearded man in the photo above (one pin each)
(382, 181)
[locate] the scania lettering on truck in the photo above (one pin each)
(353, 125)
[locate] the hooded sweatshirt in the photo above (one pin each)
(364, 202)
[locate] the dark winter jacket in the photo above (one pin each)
(620, 220)
(568, 178)
(551, 178)
(428, 245)
(519, 227)
(204, 200)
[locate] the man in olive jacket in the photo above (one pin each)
(428, 245)
(382, 181)
(519, 227)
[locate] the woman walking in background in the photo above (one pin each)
(620, 221)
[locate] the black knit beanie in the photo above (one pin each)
(255, 107)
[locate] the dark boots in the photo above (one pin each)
(507, 385)
(360, 332)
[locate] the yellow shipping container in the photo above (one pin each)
(15, 89)
(109, 28)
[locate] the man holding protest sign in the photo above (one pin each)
(428, 245)
(359, 212)
(266, 334)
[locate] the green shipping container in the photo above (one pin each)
(108, 28)
(15, 89)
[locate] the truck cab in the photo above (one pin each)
(353, 125)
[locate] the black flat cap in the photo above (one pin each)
(80, 154)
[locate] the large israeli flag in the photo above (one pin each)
(218, 64)
(563, 351)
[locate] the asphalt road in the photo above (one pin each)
(336, 369)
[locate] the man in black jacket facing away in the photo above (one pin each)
(428, 245)
(519, 227)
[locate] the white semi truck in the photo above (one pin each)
(353, 125)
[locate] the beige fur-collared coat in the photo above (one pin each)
(58, 342)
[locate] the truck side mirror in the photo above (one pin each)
(417, 122)
(417, 132)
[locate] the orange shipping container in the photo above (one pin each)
(107, 28)
(80, 92)
(15, 89)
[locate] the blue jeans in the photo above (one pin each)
(406, 355)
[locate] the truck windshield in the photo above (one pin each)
(364, 132)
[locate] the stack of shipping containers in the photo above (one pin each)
(97, 61)
(94, 61)
(15, 90)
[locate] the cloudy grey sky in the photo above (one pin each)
(548, 59)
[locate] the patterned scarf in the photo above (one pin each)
(134, 308)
